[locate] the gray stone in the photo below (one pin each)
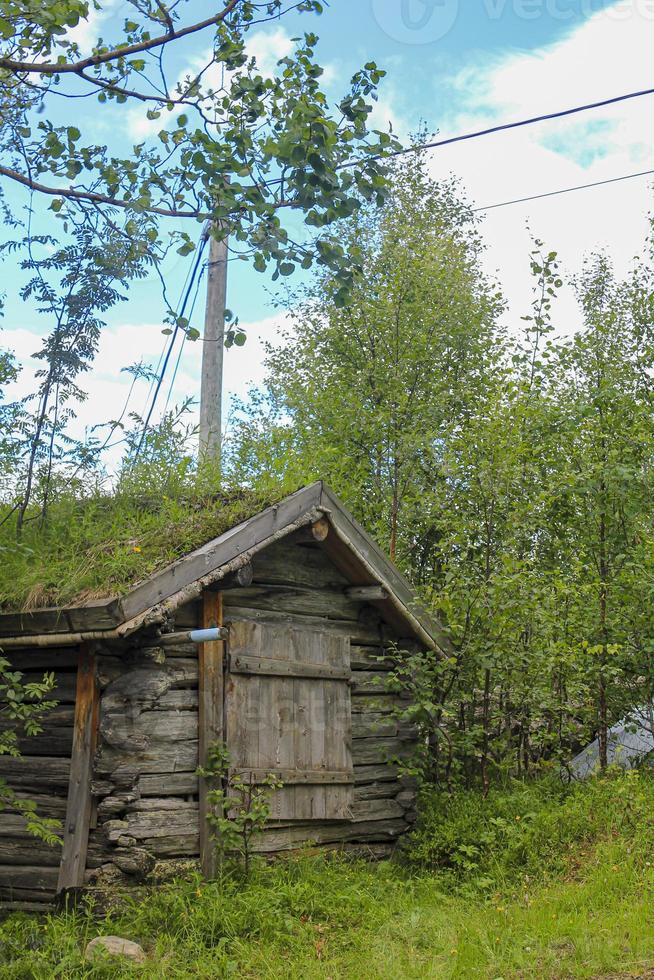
(115, 946)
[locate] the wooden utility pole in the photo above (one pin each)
(213, 346)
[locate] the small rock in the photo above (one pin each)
(115, 946)
(134, 861)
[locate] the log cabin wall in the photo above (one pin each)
(144, 783)
(294, 582)
(128, 713)
(29, 868)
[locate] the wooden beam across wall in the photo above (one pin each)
(210, 717)
(79, 805)
(367, 593)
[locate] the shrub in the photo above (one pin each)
(527, 828)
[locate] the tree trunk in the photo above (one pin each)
(604, 633)
(486, 728)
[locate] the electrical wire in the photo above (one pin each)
(435, 144)
(184, 338)
(164, 366)
(503, 127)
(155, 374)
(565, 190)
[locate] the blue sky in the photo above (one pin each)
(457, 65)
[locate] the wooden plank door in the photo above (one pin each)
(288, 712)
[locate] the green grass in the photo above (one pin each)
(98, 546)
(567, 890)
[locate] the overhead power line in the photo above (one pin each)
(181, 346)
(166, 344)
(164, 366)
(502, 127)
(565, 190)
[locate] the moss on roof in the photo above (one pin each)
(100, 546)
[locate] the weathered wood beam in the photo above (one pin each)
(359, 632)
(210, 717)
(36, 774)
(240, 579)
(286, 668)
(34, 878)
(372, 751)
(176, 784)
(295, 777)
(164, 757)
(56, 658)
(78, 810)
(318, 531)
(272, 840)
(367, 593)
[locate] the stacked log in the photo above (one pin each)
(29, 868)
(145, 780)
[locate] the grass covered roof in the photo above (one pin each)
(100, 546)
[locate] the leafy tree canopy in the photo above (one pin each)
(363, 396)
(233, 145)
(510, 474)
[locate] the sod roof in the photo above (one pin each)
(100, 547)
(115, 566)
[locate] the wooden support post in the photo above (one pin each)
(210, 716)
(79, 805)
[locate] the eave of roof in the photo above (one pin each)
(150, 601)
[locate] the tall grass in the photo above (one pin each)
(98, 545)
(536, 881)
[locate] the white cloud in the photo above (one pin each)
(88, 30)
(268, 47)
(108, 387)
(608, 55)
(605, 56)
(386, 113)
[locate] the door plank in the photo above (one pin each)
(295, 777)
(290, 668)
(288, 713)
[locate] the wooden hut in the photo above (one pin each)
(305, 604)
